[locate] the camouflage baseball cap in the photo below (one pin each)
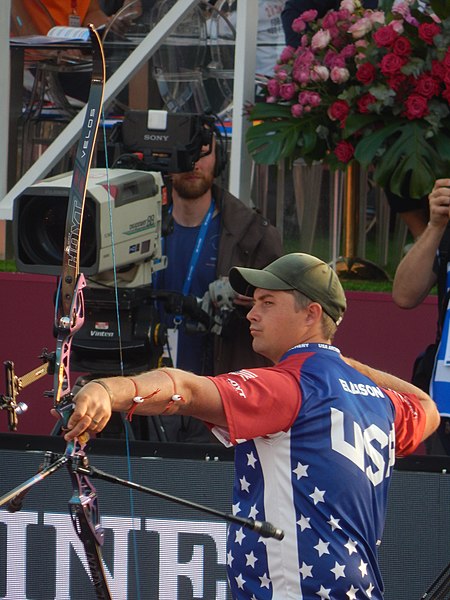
(303, 272)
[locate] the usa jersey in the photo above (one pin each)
(315, 446)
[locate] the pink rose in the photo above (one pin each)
(298, 25)
(287, 54)
(348, 51)
(339, 75)
(303, 98)
(344, 151)
(348, 5)
(320, 73)
(360, 28)
(287, 91)
(376, 17)
(402, 9)
(397, 26)
(300, 75)
(416, 107)
(330, 19)
(296, 110)
(309, 15)
(273, 87)
(315, 99)
(320, 40)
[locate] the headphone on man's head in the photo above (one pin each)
(221, 151)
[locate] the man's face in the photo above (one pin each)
(194, 184)
(276, 323)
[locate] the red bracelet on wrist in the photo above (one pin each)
(137, 399)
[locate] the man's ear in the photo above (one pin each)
(314, 312)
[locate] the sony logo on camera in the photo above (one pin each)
(153, 137)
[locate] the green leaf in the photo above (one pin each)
(273, 140)
(354, 123)
(410, 159)
(369, 145)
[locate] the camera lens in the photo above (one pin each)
(41, 228)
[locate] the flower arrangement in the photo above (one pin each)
(363, 85)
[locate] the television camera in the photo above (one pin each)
(155, 143)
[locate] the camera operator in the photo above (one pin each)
(212, 231)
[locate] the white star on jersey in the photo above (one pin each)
(334, 523)
(338, 570)
(317, 495)
(322, 547)
(229, 558)
(306, 570)
(351, 546)
(240, 581)
(301, 470)
(253, 512)
(251, 460)
(240, 536)
(351, 594)
(303, 522)
(245, 486)
(251, 560)
(363, 568)
(324, 593)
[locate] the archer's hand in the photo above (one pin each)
(439, 200)
(91, 413)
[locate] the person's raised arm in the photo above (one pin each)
(415, 276)
(388, 381)
(162, 391)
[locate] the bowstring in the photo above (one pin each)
(121, 361)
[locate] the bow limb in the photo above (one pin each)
(70, 309)
(70, 318)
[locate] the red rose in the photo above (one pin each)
(427, 31)
(438, 69)
(446, 93)
(339, 110)
(446, 60)
(366, 73)
(391, 63)
(401, 46)
(396, 81)
(427, 86)
(364, 102)
(385, 37)
(344, 151)
(416, 107)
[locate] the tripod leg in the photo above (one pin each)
(16, 495)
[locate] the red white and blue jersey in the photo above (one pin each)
(315, 446)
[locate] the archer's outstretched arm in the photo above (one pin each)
(162, 391)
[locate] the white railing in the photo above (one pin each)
(245, 59)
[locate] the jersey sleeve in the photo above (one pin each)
(258, 403)
(410, 420)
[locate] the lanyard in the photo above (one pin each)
(197, 249)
